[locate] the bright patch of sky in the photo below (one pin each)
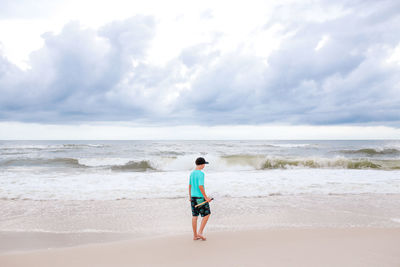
(314, 63)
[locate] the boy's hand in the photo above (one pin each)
(208, 199)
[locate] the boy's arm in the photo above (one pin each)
(190, 192)
(201, 187)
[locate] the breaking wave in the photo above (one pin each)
(341, 164)
(265, 163)
(55, 162)
(217, 163)
(75, 163)
(56, 147)
(372, 151)
(143, 165)
(72, 146)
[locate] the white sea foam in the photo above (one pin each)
(292, 145)
(96, 162)
(396, 220)
(160, 169)
(174, 184)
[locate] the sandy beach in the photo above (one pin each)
(335, 230)
(99, 204)
(272, 247)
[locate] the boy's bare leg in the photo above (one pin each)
(194, 225)
(202, 225)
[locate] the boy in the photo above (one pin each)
(197, 195)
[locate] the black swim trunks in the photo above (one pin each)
(203, 210)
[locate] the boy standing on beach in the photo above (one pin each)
(198, 195)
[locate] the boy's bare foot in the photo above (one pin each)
(201, 236)
(196, 237)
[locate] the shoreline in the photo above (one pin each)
(157, 216)
(21, 242)
(313, 246)
(27, 242)
(301, 230)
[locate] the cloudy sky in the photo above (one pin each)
(199, 69)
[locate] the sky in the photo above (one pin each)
(199, 69)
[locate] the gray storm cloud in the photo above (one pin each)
(332, 71)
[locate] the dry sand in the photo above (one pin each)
(353, 247)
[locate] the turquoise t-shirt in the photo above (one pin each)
(196, 179)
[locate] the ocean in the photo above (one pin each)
(112, 170)
(141, 187)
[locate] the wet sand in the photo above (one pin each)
(270, 247)
(297, 230)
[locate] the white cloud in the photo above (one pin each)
(314, 62)
(180, 23)
(322, 42)
(394, 56)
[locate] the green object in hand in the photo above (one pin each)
(204, 202)
(199, 200)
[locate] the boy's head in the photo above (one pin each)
(201, 162)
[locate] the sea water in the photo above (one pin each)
(114, 170)
(140, 188)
